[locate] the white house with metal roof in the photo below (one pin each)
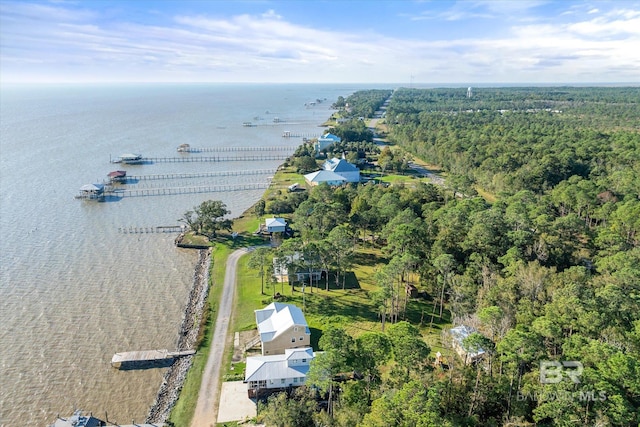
(276, 225)
(324, 176)
(326, 140)
(282, 327)
(279, 371)
(342, 167)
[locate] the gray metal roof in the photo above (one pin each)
(275, 367)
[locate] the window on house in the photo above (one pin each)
(293, 339)
(295, 329)
(295, 380)
(304, 360)
(282, 381)
(301, 338)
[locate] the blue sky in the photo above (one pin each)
(463, 42)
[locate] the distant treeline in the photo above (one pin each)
(507, 140)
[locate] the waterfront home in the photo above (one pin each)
(281, 327)
(342, 167)
(276, 225)
(324, 176)
(326, 140)
(267, 374)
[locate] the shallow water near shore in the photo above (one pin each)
(73, 288)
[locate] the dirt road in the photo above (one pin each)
(206, 412)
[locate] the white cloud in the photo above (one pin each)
(268, 47)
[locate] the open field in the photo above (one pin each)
(351, 308)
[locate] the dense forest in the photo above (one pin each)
(547, 273)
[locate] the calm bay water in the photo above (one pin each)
(73, 289)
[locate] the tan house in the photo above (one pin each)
(281, 327)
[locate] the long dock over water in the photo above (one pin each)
(156, 229)
(198, 175)
(291, 134)
(189, 149)
(173, 191)
(187, 159)
(131, 359)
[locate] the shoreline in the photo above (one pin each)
(174, 378)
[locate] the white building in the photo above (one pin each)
(342, 167)
(326, 140)
(324, 176)
(264, 373)
(276, 225)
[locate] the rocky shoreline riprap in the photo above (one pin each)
(174, 377)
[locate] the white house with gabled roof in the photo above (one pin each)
(324, 176)
(279, 371)
(326, 140)
(342, 167)
(275, 225)
(282, 327)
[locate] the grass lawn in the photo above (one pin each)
(196, 240)
(351, 308)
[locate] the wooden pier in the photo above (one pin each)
(213, 159)
(134, 359)
(173, 191)
(290, 134)
(188, 149)
(156, 229)
(135, 178)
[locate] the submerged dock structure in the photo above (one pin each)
(147, 358)
(78, 419)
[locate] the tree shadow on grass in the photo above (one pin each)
(367, 259)
(350, 282)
